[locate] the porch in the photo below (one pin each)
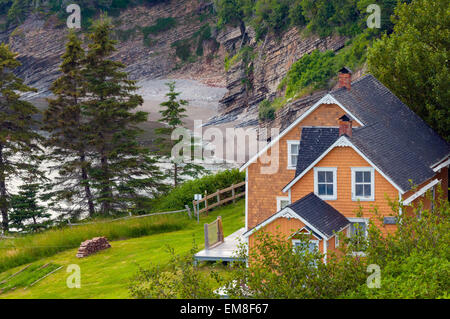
(224, 251)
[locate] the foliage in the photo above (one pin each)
(68, 139)
(323, 17)
(413, 260)
(19, 148)
(161, 25)
(183, 194)
(182, 49)
(277, 270)
(266, 111)
(18, 10)
(413, 61)
(313, 69)
(179, 279)
(172, 114)
(121, 169)
(27, 214)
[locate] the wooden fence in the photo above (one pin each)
(219, 200)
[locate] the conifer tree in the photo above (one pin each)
(27, 215)
(123, 171)
(19, 142)
(68, 140)
(172, 114)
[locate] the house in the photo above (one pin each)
(358, 145)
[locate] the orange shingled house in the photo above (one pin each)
(356, 146)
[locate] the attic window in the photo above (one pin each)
(293, 148)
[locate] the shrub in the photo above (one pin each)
(184, 194)
(161, 25)
(266, 111)
(414, 263)
(311, 70)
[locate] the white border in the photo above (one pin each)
(327, 99)
(372, 184)
(316, 181)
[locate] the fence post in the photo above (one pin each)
(195, 209)
(206, 202)
(206, 237)
(233, 194)
(188, 209)
(218, 197)
(219, 229)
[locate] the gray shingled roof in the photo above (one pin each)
(319, 214)
(394, 138)
(314, 141)
(373, 103)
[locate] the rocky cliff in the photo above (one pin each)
(251, 81)
(40, 43)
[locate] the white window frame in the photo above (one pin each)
(316, 241)
(357, 220)
(289, 144)
(336, 240)
(316, 182)
(282, 198)
(372, 183)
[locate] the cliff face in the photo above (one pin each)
(250, 82)
(40, 42)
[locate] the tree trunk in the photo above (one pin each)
(87, 188)
(106, 189)
(3, 197)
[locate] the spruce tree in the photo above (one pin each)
(27, 215)
(68, 132)
(19, 142)
(123, 171)
(172, 114)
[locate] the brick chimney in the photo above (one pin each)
(345, 126)
(345, 78)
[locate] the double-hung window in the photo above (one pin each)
(358, 233)
(293, 148)
(363, 182)
(325, 182)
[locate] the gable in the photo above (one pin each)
(343, 141)
(319, 118)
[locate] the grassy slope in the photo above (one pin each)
(107, 273)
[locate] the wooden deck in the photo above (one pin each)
(224, 252)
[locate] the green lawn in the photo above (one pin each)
(107, 273)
